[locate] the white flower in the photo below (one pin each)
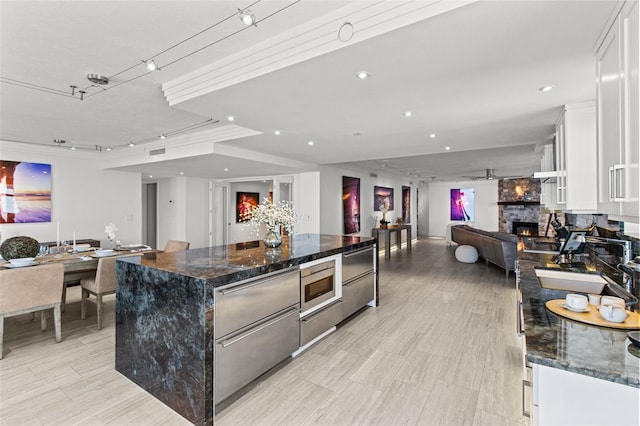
(272, 215)
(110, 230)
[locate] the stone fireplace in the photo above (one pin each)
(519, 207)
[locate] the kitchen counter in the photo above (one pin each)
(557, 342)
(226, 264)
(165, 307)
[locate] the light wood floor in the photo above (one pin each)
(440, 349)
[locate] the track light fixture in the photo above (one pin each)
(151, 65)
(247, 17)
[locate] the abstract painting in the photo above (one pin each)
(406, 204)
(25, 192)
(462, 204)
(351, 204)
(245, 201)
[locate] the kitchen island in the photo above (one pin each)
(166, 327)
(581, 374)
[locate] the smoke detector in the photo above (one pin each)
(98, 79)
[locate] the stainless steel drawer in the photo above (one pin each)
(243, 356)
(246, 302)
(356, 294)
(320, 321)
(356, 263)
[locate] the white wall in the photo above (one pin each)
(171, 210)
(84, 196)
(486, 205)
(197, 212)
(331, 200)
(306, 187)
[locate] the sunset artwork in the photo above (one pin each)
(25, 192)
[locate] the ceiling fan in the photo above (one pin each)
(489, 175)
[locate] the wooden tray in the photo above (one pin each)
(593, 317)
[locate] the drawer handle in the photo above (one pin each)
(525, 384)
(520, 320)
(236, 339)
(241, 287)
(318, 314)
(358, 252)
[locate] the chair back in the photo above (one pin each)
(106, 275)
(25, 288)
(175, 245)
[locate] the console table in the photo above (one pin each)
(375, 232)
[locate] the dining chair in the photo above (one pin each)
(102, 284)
(29, 290)
(175, 245)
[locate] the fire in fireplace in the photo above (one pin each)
(529, 229)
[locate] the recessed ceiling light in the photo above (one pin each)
(310, 143)
(226, 170)
(447, 148)
(150, 176)
(432, 135)
(181, 173)
(545, 88)
(231, 118)
(362, 75)
(132, 144)
(408, 114)
(277, 132)
(108, 148)
(73, 147)
(163, 136)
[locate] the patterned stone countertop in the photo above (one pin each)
(235, 262)
(557, 342)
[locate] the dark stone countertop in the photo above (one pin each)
(226, 264)
(557, 342)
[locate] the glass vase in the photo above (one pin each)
(272, 239)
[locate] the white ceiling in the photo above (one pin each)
(470, 75)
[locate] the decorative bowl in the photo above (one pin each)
(19, 247)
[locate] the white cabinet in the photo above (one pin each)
(565, 398)
(576, 158)
(548, 178)
(618, 116)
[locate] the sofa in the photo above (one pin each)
(498, 248)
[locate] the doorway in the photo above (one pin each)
(150, 214)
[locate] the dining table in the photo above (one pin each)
(81, 264)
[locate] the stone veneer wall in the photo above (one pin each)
(520, 189)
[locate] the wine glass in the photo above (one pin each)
(65, 246)
(44, 250)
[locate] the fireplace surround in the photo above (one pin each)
(529, 229)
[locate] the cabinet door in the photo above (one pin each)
(609, 119)
(580, 157)
(631, 47)
(561, 188)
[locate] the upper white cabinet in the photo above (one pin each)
(576, 158)
(618, 116)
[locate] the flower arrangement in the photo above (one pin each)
(272, 215)
(110, 230)
(384, 208)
